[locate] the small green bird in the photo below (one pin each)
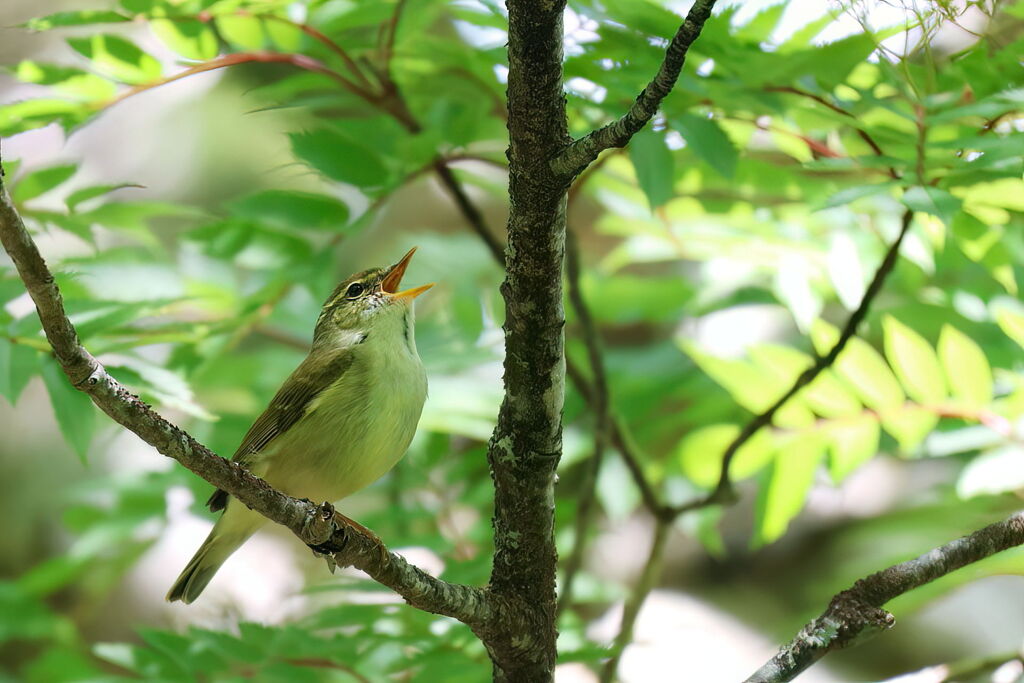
(342, 419)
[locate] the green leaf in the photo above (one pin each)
(17, 365)
(79, 18)
(700, 454)
(339, 158)
(848, 195)
(909, 425)
(655, 167)
(39, 182)
(852, 442)
(298, 210)
(190, 39)
(914, 361)
(86, 193)
(932, 200)
(118, 58)
(73, 409)
(709, 142)
(861, 368)
(997, 471)
(790, 481)
(762, 24)
(65, 80)
(243, 31)
(285, 36)
(1012, 324)
(967, 369)
(754, 388)
(21, 116)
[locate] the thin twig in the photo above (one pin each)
(723, 491)
(642, 588)
(856, 614)
(863, 134)
(391, 29)
(331, 45)
(600, 407)
(300, 61)
(469, 210)
(314, 524)
(580, 153)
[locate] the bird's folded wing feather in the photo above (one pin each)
(313, 375)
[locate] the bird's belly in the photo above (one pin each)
(356, 432)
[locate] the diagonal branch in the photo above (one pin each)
(580, 153)
(315, 525)
(856, 614)
(297, 60)
(723, 491)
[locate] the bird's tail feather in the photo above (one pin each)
(217, 548)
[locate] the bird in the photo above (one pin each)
(342, 419)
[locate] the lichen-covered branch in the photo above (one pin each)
(526, 445)
(315, 525)
(856, 613)
(581, 152)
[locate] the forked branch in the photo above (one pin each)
(856, 613)
(578, 155)
(314, 525)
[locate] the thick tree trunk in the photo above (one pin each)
(527, 443)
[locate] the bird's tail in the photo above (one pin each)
(228, 534)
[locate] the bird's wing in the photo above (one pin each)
(313, 375)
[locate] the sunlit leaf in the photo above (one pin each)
(285, 36)
(190, 39)
(1012, 324)
(967, 369)
(914, 361)
(244, 31)
(701, 450)
(76, 18)
(909, 425)
(117, 58)
(862, 368)
(852, 442)
(792, 475)
(994, 472)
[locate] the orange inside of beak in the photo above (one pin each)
(393, 279)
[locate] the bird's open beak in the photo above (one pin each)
(393, 279)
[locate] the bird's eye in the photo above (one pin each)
(354, 290)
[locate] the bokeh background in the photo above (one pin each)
(749, 218)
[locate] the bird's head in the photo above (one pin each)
(368, 300)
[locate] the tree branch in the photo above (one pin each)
(578, 155)
(316, 525)
(723, 491)
(648, 577)
(856, 613)
(599, 404)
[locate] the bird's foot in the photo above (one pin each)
(382, 549)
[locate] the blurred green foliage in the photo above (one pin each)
(773, 178)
